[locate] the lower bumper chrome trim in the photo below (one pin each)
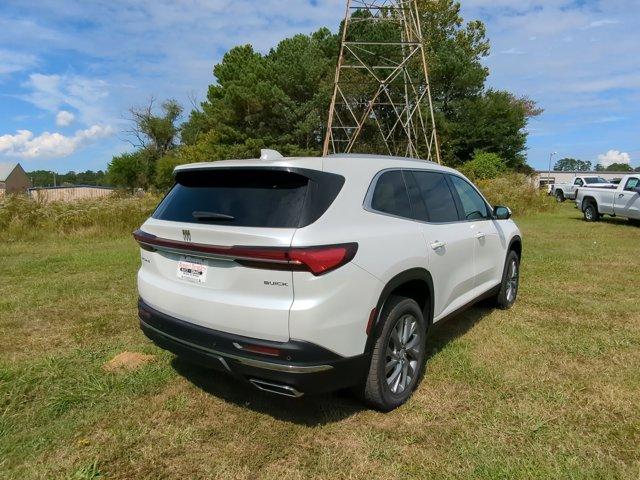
(251, 362)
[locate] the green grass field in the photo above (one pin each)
(548, 389)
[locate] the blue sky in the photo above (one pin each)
(70, 69)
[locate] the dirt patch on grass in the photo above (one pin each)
(127, 362)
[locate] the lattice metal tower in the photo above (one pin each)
(382, 100)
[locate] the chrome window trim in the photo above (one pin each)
(366, 204)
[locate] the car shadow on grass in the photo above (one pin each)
(445, 331)
(625, 222)
(314, 410)
(309, 410)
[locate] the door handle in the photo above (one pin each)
(437, 244)
(480, 235)
(620, 195)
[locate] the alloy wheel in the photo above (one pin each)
(512, 281)
(589, 213)
(403, 354)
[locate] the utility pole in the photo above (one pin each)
(382, 98)
(549, 171)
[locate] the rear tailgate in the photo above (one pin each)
(215, 251)
(257, 209)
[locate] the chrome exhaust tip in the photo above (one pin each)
(277, 388)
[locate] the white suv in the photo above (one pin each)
(307, 275)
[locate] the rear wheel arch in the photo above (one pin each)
(587, 200)
(590, 209)
(416, 284)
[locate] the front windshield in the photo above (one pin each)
(592, 180)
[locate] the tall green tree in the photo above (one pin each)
(154, 135)
(572, 165)
(280, 100)
(619, 167)
(129, 170)
(275, 100)
(494, 121)
(157, 133)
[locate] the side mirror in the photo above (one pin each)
(501, 213)
(637, 189)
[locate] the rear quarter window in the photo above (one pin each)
(390, 195)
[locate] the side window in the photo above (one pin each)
(578, 182)
(390, 195)
(632, 184)
(415, 197)
(473, 204)
(437, 196)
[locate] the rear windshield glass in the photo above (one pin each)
(239, 197)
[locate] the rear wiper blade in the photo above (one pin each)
(211, 216)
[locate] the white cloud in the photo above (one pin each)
(11, 62)
(614, 156)
(64, 118)
(86, 95)
(49, 145)
(602, 23)
(512, 51)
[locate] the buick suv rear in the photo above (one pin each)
(308, 275)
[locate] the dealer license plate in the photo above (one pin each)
(192, 269)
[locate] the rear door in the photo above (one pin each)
(489, 240)
(627, 201)
(220, 209)
(449, 241)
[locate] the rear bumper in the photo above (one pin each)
(306, 367)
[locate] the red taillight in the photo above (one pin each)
(317, 260)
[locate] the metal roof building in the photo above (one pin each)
(13, 179)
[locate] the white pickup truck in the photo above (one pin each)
(564, 191)
(623, 201)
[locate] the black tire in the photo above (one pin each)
(590, 212)
(506, 297)
(377, 391)
(559, 196)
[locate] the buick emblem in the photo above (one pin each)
(186, 234)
